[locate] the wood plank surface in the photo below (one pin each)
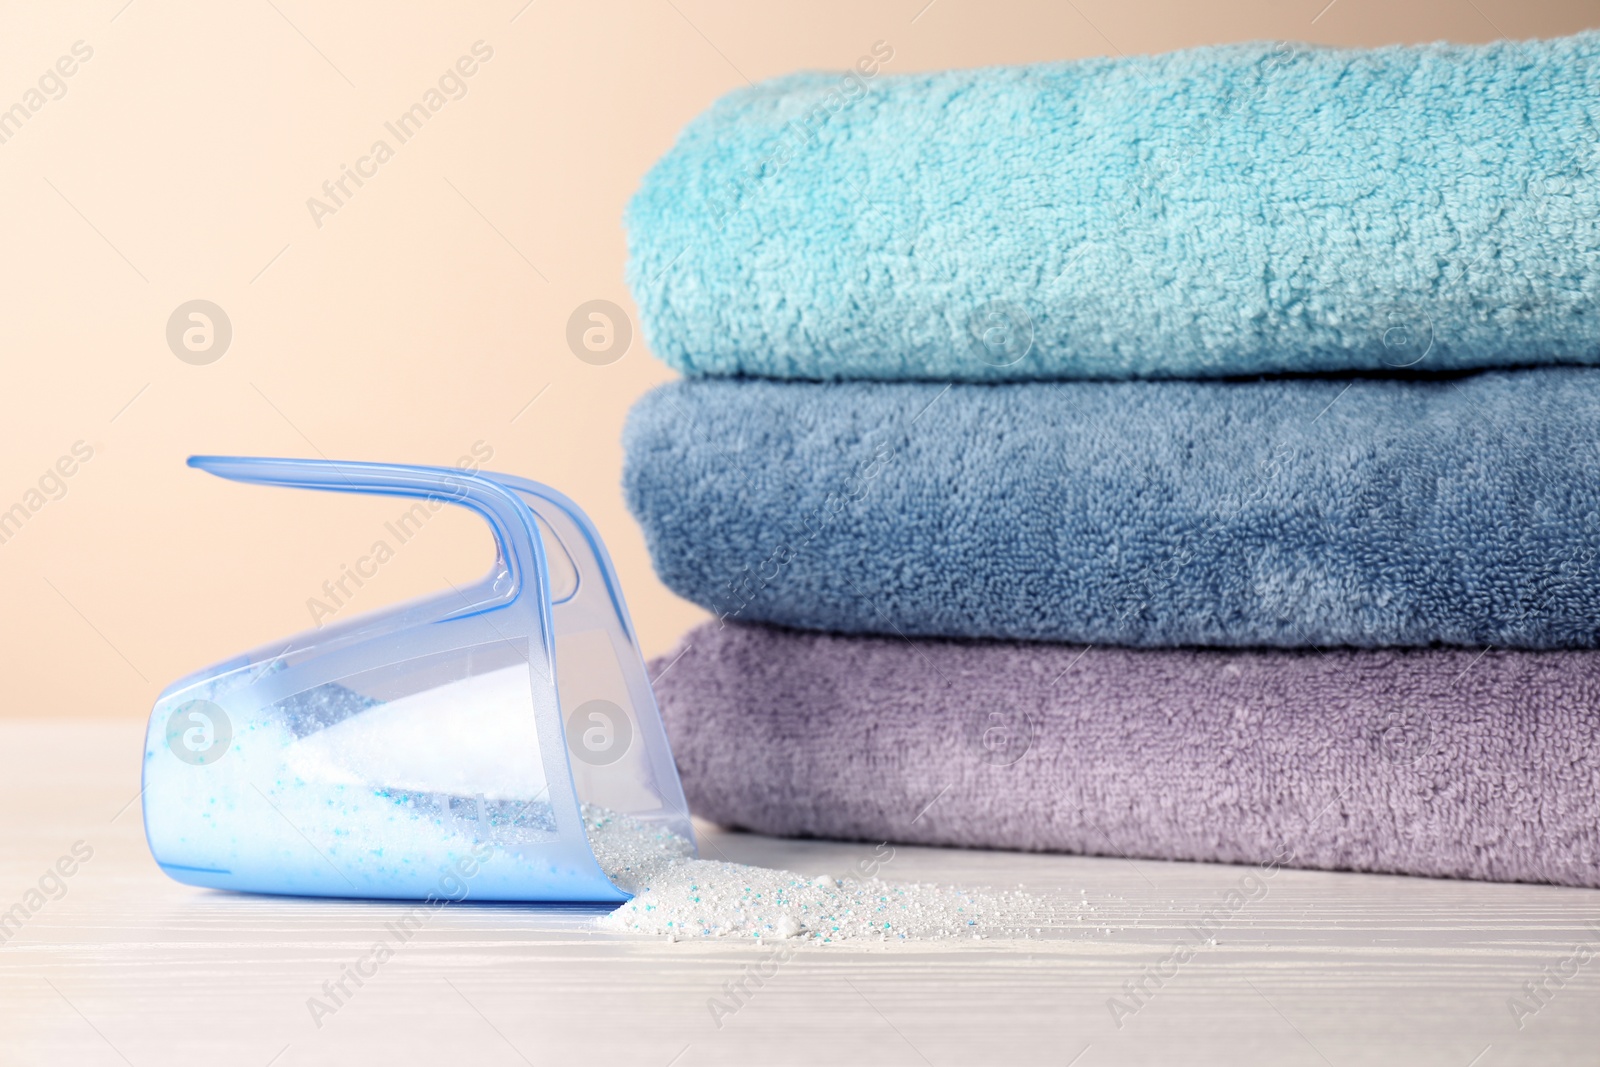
(1340, 969)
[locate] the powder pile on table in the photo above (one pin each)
(679, 896)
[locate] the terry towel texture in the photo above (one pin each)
(1221, 211)
(1284, 512)
(1429, 762)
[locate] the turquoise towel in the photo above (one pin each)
(1222, 211)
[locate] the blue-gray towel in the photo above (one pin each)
(1221, 211)
(1462, 510)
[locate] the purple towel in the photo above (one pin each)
(1443, 762)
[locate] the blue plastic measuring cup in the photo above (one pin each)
(439, 749)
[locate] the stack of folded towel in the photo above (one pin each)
(1192, 457)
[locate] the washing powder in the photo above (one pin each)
(683, 897)
(442, 791)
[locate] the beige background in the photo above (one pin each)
(425, 314)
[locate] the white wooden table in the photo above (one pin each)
(130, 967)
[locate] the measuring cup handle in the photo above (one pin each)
(517, 543)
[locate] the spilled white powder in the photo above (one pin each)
(679, 896)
